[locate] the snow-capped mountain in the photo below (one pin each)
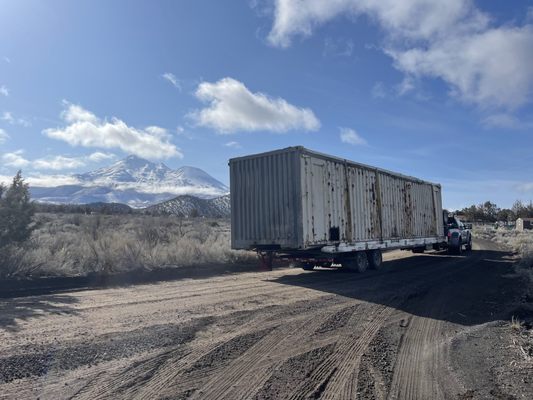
(133, 181)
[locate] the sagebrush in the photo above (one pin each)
(521, 242)
(74, 244)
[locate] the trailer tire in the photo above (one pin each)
(375, 258)
(266, 260)
(357, 263)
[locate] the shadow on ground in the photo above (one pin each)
(474, 288)
(41, 286)
(13, 311)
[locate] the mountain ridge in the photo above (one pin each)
(133, 181)
(191, 206)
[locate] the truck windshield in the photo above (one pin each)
(452, 223)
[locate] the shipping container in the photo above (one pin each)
(297, 200)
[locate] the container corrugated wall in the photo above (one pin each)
(323, 199)
(408, 208)
(296, 198)
(265, 200)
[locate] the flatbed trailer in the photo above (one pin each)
(304, 204)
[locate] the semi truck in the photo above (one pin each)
(321, 210)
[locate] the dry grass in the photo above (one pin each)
(519, 242)
(73, 245)
(516, 324)
(522, 244)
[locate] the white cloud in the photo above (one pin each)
(379, 91)
(406, 85)
(63, 162)
(86, 129)
(232, 107)
(58, 163)
(233, 145)
(473, 65)
(3, 136)
(506, 121)
(99, 156)
(182, 132)
(337, 47)
(7, 60)
(450, 40)
(350, 136)
(74, 113)
(172, 79)
(15, 159)
(10, 119)
(43, 180)
(413, 19)
(4, 91)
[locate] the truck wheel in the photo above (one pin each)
(308, 266)
(469, 245)
(375, 258)
(455, 250)
(358, 262)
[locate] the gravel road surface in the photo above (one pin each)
(429, 326)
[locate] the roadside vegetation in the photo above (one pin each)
(520, 242)
(66, 244)
(77, 244)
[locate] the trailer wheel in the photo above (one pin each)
(375, 258)
(266, 260)
(357, 263)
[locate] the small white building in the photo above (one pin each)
(524, 223)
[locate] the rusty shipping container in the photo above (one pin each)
(297, 199)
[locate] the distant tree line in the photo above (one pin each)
(101, 208)
(490, 212)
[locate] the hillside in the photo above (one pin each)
(190, 206)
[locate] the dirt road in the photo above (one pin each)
(426, 326)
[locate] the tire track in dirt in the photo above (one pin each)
(337, 376)
(416, 373)
(260, 371)
(242, 374)
(172, 368)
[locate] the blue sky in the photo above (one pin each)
(437, 89)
